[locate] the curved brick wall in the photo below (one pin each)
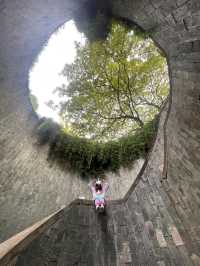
(24, 27)
(31, 188)
(141, 229)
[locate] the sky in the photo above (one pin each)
(45, 75)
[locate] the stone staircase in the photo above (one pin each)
(145, 228)
(141, 229)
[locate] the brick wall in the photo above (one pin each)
(29, 188)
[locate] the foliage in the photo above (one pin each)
(46, 131)
(34, 101)
(89, 158)
(115, 90)
(115, 86)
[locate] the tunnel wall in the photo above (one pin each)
(141, 229)
(24, 28)
(30, 187)
(25, 188)
(78, 235)
(175, 27)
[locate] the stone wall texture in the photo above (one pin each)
(30, 189)
(142, 229)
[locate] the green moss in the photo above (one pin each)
(89, 158)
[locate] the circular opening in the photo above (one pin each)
(104, 96)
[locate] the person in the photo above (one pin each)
(99, 189)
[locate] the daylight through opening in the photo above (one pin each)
(107, 92)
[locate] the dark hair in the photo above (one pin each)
(98, 187)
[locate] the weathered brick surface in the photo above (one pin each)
(174, 25)
(28, 193)
(141, 230)
(30, 187)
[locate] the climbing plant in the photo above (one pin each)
(90, 158)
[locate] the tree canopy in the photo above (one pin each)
(113, 92)
(114, 86)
